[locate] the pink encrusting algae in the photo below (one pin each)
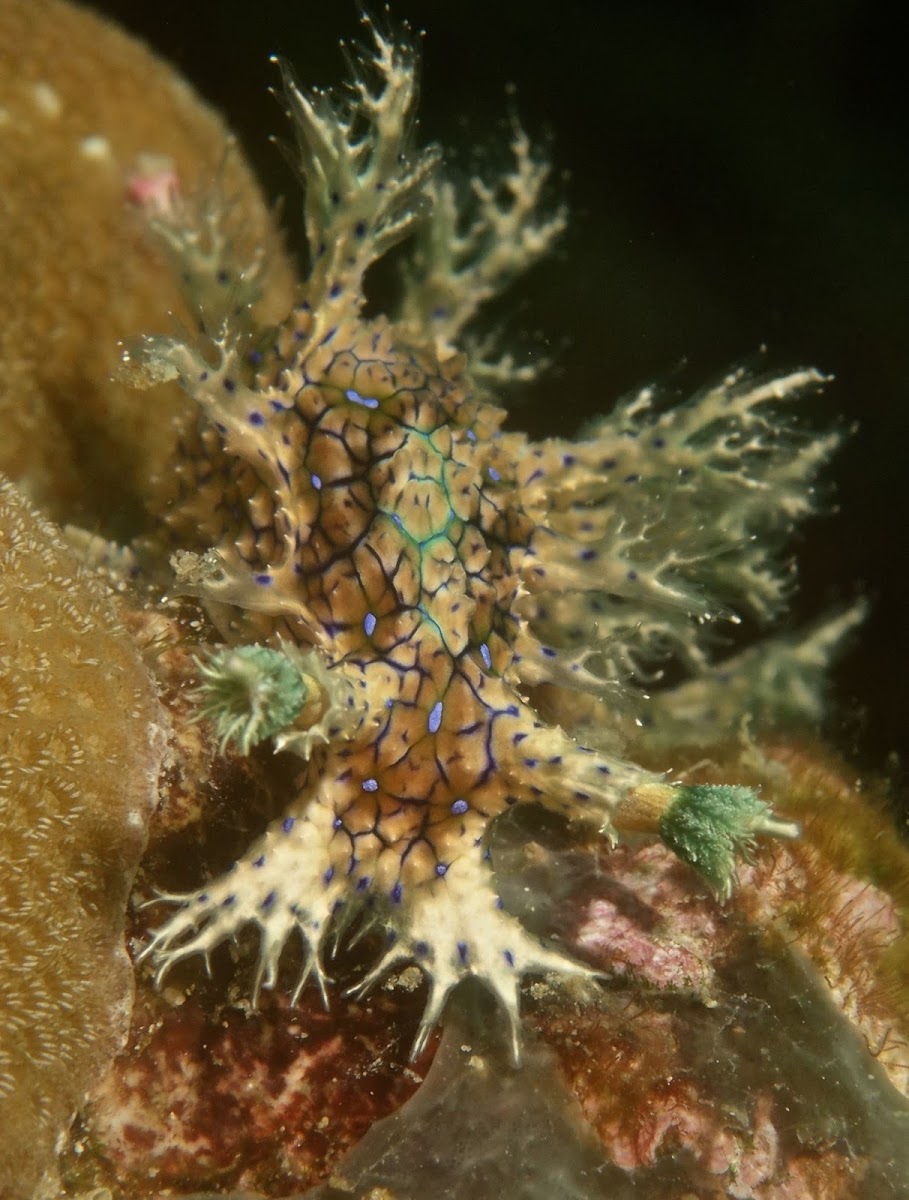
(440, 618)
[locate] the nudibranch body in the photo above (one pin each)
(440, 618)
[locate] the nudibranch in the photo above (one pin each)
(440, 618)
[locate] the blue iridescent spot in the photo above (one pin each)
(356, 398)
(509, 957)
(548, 652)
(369, 624)
(260, 861)
(263, 579)
(588, 555)
(459, 806)
(463, 952)
(632, 576)
(329, 875)
(471, 436)
(435, 717)
(494, 475)
(370, 785)
(363, 883)
(421, 949)
(269, 900)
(228, 901)
(441, 868)
(397, 892)
(337, 823)
(288, 823)
(486, 656)
(316, 481)
(256, 418)
(229, 385)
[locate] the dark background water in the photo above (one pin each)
(737, 176)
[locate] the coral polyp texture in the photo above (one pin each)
(440, 618)
(82, 741)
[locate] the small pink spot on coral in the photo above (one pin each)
(154, 185)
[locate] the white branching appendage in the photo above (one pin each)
(659, 522)
(462, 259)
(201, 235)
(780, 679)
(366, 188)
(365, 184)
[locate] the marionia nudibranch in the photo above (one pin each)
(440, 618)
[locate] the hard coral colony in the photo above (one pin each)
(442, 619)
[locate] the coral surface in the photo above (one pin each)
(440, 619)
(81, 742)
(88, 117)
